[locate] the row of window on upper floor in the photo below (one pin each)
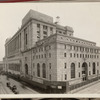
(41, 49)
(76, 55)
(82, 49)
(42, 56)
(44, 27)
(51, 29)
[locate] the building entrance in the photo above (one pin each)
(84, 71)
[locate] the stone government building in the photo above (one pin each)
(47, 54)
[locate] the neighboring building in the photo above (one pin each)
(49, 54)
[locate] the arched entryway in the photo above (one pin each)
(26, 69)
(84, 71)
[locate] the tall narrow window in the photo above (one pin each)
(26, 69)
(79, 65)
(49, 65)
(65, 77)
(50, 76)
(26, 38)
(72, 70)
(65, 65)
(65, 46)
(49, 55)
(94, 68)
(79, 74)
(89, 64)
(38, 25)
(70, 54)
(38, 70)
(44, 70)
(74, 54)
(64, 54)
(25, 34)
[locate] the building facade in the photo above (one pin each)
(47, 53)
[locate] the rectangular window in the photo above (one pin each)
(49, 55)
(79, 65)
(33, 57)
(49, 65)
(79, 74)
(51, 29)
(50, 76)
(65, 77)
(42, 56)
(74, 54)
(97, 63)
(39, 56)
(26, 39)
(97, 56)
(80, 55)
(44, 32)
(45, 55)
(65, 65)
(83, 55)
(44, 37)
(72, 70)
(74, 47)
(88, 56)
(77, 55)
(64, 54)
(65, 46)
(25, 34)
(89, 64)
(49, 47)
(70, 47)
(38, 25)
(33, 65)
(70, 54)
(45, 27)
(89, 72)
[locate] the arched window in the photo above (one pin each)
(38, 70)
(44, 70)
(26, 69)
(72, 70)
(94, 68)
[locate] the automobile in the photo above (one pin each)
(8, 84)
(14, 88)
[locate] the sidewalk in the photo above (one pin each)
(83, 87)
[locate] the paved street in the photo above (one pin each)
(93, 89)
(22, 89)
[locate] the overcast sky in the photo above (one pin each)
(83, 17)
